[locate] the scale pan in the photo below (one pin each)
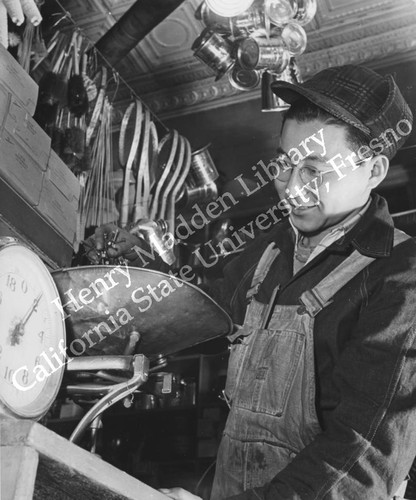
(107, 305)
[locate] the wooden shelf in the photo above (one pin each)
(37, 463)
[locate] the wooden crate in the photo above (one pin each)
(37, 463)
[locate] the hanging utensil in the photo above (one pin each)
(14, 9)
(41, 50)
(171, 141)
(89, 84)
(141, 202)
(99, 205)
(176, 170)
(25, 47)
(77, 94)
(31, 11)
(153, 155)
(97, 106)
(162, 155)
(58, 135)
(75, 153)
(136, 106)
(4, 33)
(186, 165)
(53, 86)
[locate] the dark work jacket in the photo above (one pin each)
(365, 355)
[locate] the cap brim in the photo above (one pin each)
(291, 92)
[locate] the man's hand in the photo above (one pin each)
(123, 244)
(179, 494)
(113, 240)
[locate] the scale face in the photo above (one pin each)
(32, 333)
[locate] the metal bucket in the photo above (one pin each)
(257, 53)
(169, 313)
(200, 193)
(269, 100)
(244, 79)
(211, 20)
(249, 21)
(203, 170)
(215, 51)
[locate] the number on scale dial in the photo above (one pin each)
(32, 333)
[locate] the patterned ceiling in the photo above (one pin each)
(164, 73)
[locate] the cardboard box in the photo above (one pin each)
(58, 211)
(36, 141)
(58, 202)
(17, 81)
(19, 220)
(19, 170)
(61, 176)
(5, 99)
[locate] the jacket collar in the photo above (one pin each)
(371, 236)
(374, 233)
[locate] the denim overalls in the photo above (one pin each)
(271, 381)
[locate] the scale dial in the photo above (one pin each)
(32, 333)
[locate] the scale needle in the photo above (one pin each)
(18, 330)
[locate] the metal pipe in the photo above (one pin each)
(85, 363)
(116, 393)
(133, 26)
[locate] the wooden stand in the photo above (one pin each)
(37, 463)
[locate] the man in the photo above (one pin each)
(321, 380)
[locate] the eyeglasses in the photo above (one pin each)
(281, 167)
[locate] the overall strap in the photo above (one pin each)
(314, 300)
(263, 267)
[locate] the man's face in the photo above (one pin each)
(344, 189)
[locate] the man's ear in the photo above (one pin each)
(379, 167)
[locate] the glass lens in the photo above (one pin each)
(294, 37)
(244, 79)
(218, 23)
(281, 12)
(306, 11)
(228, 8)
(248, 53)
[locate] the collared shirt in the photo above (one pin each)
(365, 360)
(336, 232)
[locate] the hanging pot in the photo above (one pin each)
(257, 53)
(203, 169)
(244, 79)
(215, 51)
